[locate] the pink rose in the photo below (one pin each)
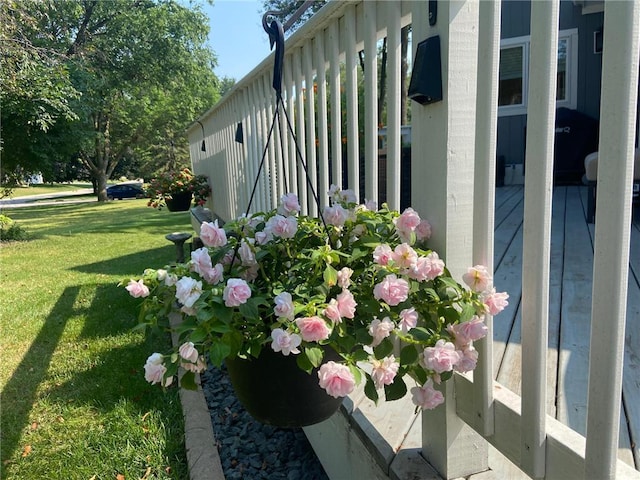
(137, 289)
(468, 360)
(289, 204)
(188, 352)
(440, 358)
(198, 366)
(336, 379)
(201, 260)
(236, 292)
(283, 227)
(380, 329)
(423, 230)
(406, 224)
(466, 332)
(494, 301)
(342, 196)
(346, 304)
(213, 275)
(313, 329)
(344, 277)
(382, 254)
(404, 256)
(384, 371)
(392, 290)
(247, 258)
(332, 312)
(335, 215)
(284, 306)
(408, 319)
(478, 278)
(427, 268)
(154, 370)
(188, 290)
(212, 235)
(427, 396)
(285, 342)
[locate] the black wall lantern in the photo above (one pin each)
(203, 147)
(239, 134)
(426, 78)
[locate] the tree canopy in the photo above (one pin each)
(103, 82)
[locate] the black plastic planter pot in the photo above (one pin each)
(179, 202)
(275, 391)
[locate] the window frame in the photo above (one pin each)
(571, 100)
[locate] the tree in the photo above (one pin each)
(36, 91)
(143, 70)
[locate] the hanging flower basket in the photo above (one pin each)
(357, 281)
(179, 202)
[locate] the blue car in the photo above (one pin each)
(125, 190)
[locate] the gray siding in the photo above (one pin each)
(516, 22)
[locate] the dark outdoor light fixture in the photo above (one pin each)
(203, 147)
(426, 79)
(239, 133)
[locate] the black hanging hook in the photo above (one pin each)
(276, 36)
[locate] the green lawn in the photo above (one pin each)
(75, 404)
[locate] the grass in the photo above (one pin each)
(48, 188)
(75, 404)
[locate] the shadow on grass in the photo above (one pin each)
(20, 391)
(134, 263)
(115, 375)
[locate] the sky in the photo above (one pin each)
(237, 36)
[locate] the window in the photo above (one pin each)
(514, 73)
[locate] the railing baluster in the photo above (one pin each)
(618, 106)
(370, 101)
(336, 119)
(484, 192)
(300, 129)
(394, 143)
(537, 232)
(352, 100)
(311, 122)
(323, 129)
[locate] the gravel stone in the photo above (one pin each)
(250, 450)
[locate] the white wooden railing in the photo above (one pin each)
(453, 150)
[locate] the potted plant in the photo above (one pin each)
(176, 189)
(354, 296)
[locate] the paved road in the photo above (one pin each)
(77, 196)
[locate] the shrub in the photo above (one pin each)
(10, 230)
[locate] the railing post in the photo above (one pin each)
(443, 146)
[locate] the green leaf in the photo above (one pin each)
(249, 310)
(396, 390)
(468, 311)
(304, 363)
(330, 276)
(314, 354)
(370, 390)
(408, 355)
(199, 334)
(218, 352)
(420, 334)
(188, 381)
(356, 372)
(384, 349)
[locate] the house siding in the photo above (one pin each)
(516, 21)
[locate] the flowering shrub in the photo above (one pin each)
(364, 284)
(181, 181)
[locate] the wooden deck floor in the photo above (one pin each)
(389, 433)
